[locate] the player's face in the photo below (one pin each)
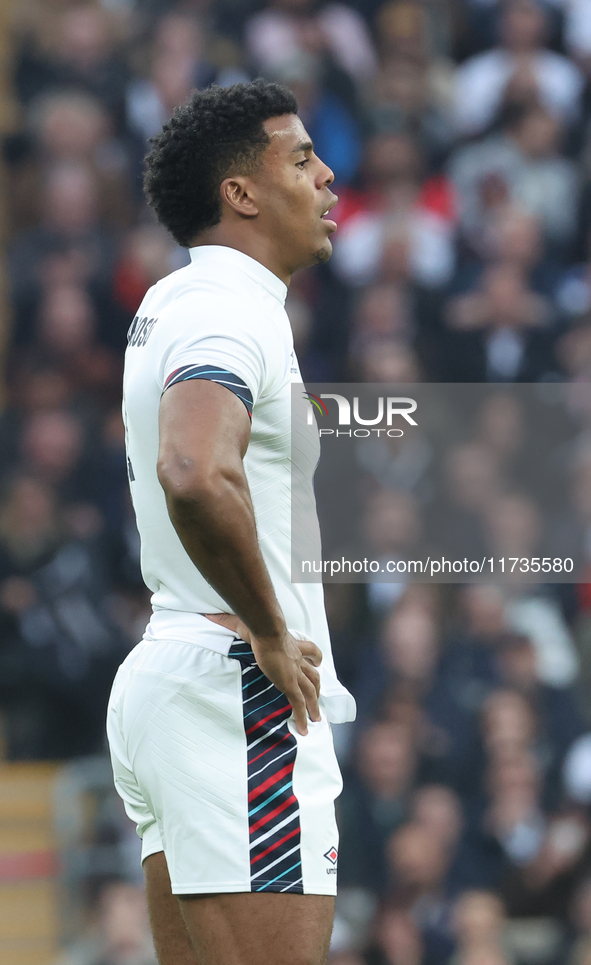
(296, 197)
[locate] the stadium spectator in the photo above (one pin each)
(288, 28)
(413, 87)
(500, 331)
(60, 644)
(521, 166)
(70, 228)
(71, 46)
(478, 919)
(521, 67)
(418, 863)
(397, 938)
(375, 802)
(178, 62)
(393, 228)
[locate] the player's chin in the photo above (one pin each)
(322, 253)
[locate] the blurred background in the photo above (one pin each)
(459, 132)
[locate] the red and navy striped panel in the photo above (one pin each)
(273, 809)
(213, 373)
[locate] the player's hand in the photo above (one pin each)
(291, 666)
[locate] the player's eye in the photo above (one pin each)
(300, 164)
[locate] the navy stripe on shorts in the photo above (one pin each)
(273, 809)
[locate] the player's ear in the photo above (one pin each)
(237, 194)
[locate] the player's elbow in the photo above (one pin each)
(186, 483)
(180, 478)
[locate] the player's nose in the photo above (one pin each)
(325, 175)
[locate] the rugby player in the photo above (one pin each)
(219, 719)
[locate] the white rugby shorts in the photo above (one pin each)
(211, 768)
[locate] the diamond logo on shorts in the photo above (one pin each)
(332, 855)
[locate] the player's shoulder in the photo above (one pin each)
(188, 309)
(210, 292)
(183, 281)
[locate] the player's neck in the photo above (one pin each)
(261, 249)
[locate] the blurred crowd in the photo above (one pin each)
(459, 132)
(465, 816)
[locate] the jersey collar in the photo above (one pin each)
(251, 267)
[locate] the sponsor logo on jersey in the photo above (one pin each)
(140, 331)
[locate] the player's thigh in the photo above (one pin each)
(235, 929)
(171, 938)
(264, 928)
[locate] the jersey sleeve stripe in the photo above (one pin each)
(213, 373)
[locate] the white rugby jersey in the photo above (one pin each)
(221, 317)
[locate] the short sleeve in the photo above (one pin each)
(221, 338)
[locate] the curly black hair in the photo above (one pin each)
(217, 133)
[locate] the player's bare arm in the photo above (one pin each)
(204, 434)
